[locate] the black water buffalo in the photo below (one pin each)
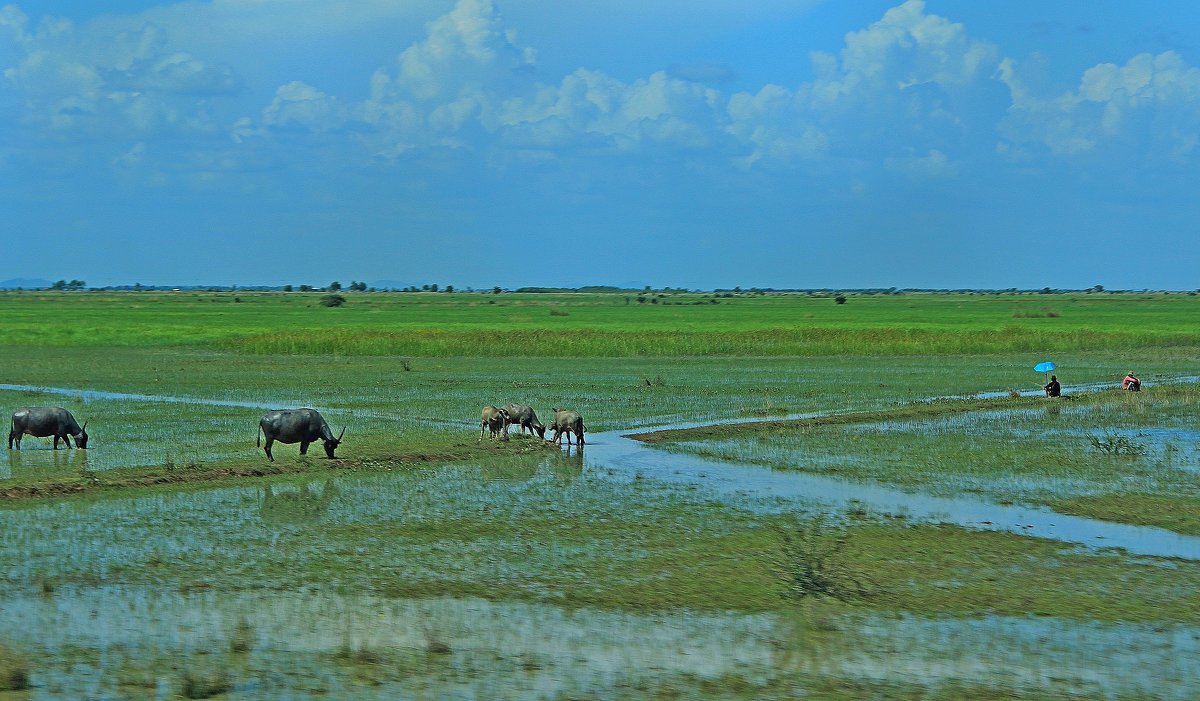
(568, 422)
(493, 420)
(301, 426)
(42, 421)
(524, 416)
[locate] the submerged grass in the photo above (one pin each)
(416, 510)
(1176, 512)
(1031, 450)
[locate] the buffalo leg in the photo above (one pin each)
(56, 442)
(13, 435)
(304, 447)
(482, 425)
(268, 449)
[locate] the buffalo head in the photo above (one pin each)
(332, 443)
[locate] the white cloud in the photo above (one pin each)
(73, 80)
(1150, 106)
(896, 84)
(299, 105)
(933, 164)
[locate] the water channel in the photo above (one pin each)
(619, 454)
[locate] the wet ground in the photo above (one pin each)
(125, 637)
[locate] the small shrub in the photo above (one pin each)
(406, 364)
(815, 564)
(332, 301)
(1114, 444)
(559, 312)
(1013, 394)
(840, 299)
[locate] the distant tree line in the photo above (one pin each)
(72, 285)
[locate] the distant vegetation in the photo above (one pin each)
(603, 324)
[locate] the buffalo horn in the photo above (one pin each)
(341, 434)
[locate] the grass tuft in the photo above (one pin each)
(204, 684)
(243, 637)
(1115, 444)
(14, 670)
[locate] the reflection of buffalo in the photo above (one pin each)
(567, 464)
(494, 421)
(523, 415)
(57, 460)
(300, 506)
(568, 422)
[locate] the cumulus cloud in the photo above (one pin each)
(300, 105)
(900, 83)
(1149, 107)
(131, 82)
(449, 81)
(902, 95)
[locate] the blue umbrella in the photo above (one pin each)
(1046, 366)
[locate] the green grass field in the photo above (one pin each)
(610, 325)
(423, 563)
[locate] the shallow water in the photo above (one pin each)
(493, 650)
(616, 451)
(118, 642)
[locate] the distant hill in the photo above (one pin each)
(25, 283)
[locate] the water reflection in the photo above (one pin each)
(306, 645)
(567, 464)
(37, 460)
(296, 507)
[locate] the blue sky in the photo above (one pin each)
(699, 144)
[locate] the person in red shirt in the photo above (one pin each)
(1131, 383)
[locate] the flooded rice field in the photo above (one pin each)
(304, 588)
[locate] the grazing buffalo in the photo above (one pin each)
(301, 426)
(523, 416)
(495, 421)
(568, 422)
(42, 421)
